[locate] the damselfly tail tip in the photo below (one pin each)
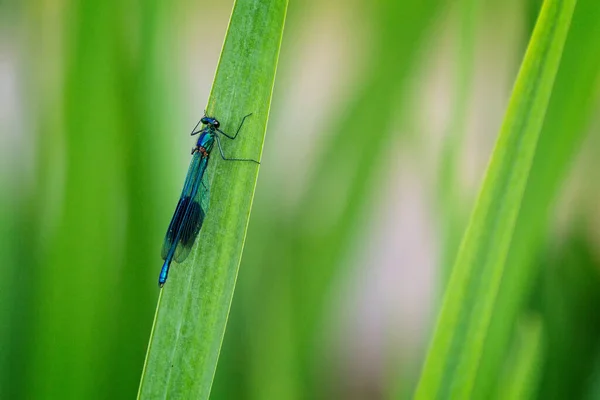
(162, 277)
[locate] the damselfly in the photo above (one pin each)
(193, 203)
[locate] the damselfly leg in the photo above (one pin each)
(238, 129)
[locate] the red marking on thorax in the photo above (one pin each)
(203, 151)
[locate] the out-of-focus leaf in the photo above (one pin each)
(573, 102)
(452, 365)
(569, 295)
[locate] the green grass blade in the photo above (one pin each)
(573, 104)
(341, 184)
(194, 305)
(522, 374)
(568, 292)
(451, 366)
(451, 200)
(72, 232)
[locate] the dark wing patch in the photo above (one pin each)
(189, 231)
(174, 226)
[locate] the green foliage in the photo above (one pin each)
(79, 282)
(574, 98)
(568, 294)
(450, 197)
(452, 365)
(194, 305)
(98, 105)
(520, 379)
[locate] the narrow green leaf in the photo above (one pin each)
(573, 104)
(568, 294)
(342, 185)
(194, 305)
(71, 239)
(452, 364)
(522, 373)
(451, 200)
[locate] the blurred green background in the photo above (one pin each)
(383, 118)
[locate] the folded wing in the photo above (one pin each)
(189, 214)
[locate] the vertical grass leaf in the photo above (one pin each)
(194, 304)
(451, 366)
(572, 106)
(521, 376)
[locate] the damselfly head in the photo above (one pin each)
(210, 121)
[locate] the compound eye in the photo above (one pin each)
(216, 124)
(205, 120)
